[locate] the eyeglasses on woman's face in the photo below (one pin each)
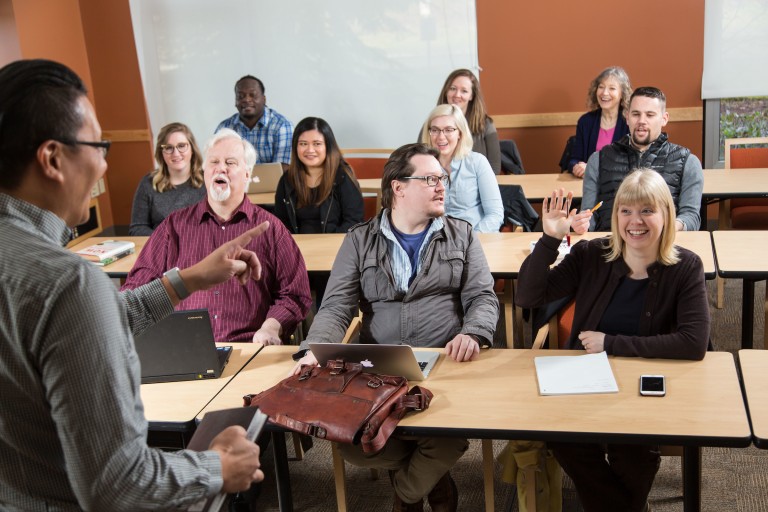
(450, 130)
(168, 149)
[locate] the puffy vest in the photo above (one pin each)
(617, 160)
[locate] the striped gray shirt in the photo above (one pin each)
(72, 426)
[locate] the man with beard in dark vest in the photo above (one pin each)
(645, 146)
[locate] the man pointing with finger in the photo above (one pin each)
(72, 423)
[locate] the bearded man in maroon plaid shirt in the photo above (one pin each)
(264, 311)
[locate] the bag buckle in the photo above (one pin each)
(375, 382)
(335, 366)
(423, 401)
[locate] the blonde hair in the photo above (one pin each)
(645, 186)
(161, 176)
(464, 146)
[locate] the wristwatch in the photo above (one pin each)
(176, 283)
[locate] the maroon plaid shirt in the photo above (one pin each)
(237, 312)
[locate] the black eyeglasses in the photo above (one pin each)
(168, 148)
(103, 145)
(430, 180)
(433, 130)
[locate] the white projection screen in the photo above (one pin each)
(735, 49)
(373, 70)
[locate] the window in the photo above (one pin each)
(729, 118)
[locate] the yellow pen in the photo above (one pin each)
(598, 205)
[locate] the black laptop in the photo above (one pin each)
(181, 347)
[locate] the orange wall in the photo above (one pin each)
(95, 39)
(108, 31)
(537, 57)
(540, 57)
(9, 37)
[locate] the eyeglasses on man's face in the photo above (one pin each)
(433, 130)
(102, 145)
(168, 148)
(430, 180)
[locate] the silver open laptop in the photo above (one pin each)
(264, 178)
(385, 359)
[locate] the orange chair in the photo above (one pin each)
(744, 213)
(747, 213)
(366, 167)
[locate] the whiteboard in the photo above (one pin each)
(373, 70)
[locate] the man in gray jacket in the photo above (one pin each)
(422, 279)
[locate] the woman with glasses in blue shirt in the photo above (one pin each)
(473, 193)
(177, 182)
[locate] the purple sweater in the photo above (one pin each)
(675, 322)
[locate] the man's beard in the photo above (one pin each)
(219, 195)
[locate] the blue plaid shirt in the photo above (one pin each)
(271, 136)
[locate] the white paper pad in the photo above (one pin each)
(575, 375)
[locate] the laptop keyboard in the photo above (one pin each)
(423, 364)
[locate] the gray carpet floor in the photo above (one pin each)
(732, 479)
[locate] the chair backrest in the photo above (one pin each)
(557, 330)
(367, 163)
(511, 161)
(747, 213)
(746, 157)
(567, 152)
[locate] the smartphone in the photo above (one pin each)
(653, 385)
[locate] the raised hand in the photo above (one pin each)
(556, 214)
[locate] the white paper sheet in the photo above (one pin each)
(575, 375)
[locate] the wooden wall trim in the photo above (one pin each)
(127, 135)
(571, 118)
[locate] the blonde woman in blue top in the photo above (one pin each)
(473, 193)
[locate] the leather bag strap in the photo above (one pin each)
(417, 399)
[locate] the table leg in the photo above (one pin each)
(747, 313)
(282, 474)
(691, 478)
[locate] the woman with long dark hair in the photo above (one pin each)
(318, 193)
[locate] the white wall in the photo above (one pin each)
(373, 70)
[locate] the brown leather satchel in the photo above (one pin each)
(339, 402)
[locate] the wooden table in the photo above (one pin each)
(730, 183)
(174, 406)
(123, 266)
(538, 186)
(265, 370)
(507, 251)
(742, 255)
(319, 250)
(753, 364)
(724, 184)
(262, 199)
(703, 406)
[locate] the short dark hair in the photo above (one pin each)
(250, 77)
(650, 92)
(38, 102)
(399, 166)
